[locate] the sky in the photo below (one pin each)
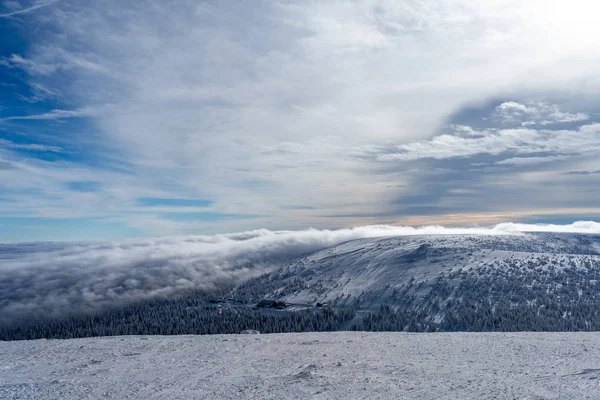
(123, 119)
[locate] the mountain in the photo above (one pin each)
(525, 282)
(538, 281)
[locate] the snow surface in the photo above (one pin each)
(341, 365)
(371, 269)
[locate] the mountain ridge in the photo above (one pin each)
(367, 264)
(528, 282)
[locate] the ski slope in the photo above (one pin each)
(341, 365)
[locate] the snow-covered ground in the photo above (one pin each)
(341, 365)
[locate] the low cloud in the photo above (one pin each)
(56, 278)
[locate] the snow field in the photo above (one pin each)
(340, 365)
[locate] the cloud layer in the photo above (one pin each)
(55, 278)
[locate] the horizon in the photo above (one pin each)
(125, 119)
(356, 232)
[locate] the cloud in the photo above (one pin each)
(596, 172)
(39, 93)
(16, 61)
(28, 9)
(55, 278)
(30, 146)
(55, 115)
(54, 62)
(575, 227)
(534, 113)
(531, 160)
(469, 142)
(261, 107)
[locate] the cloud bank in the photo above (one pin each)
(56, 278)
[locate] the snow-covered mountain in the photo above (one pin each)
(525, 282)
(439, 274)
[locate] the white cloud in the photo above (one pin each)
(30, 146)
(575, 227)
(536, 114)
(584, 140)
(510, 107)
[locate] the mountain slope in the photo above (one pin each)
(529, 282)
(442, 275)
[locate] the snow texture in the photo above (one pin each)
(342, 365)
(372, 269)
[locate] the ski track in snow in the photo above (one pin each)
(340, 365)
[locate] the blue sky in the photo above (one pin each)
(147, 118)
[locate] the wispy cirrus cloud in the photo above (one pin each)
(55, 115)
(532, 160)
(30, 146)
(33, 7)
(38, 93)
